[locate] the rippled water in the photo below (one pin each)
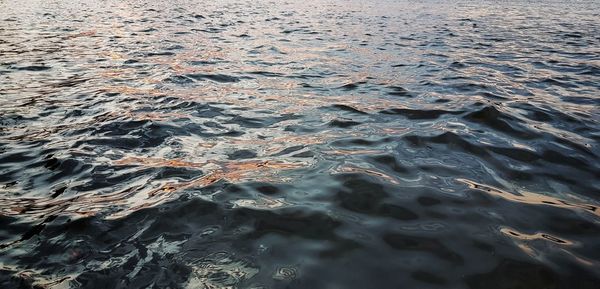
(299, 144)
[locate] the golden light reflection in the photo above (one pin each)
(527, 243)
(372, 172)
(512, 233)
(534, 198)
(157, 162)
(145, 196)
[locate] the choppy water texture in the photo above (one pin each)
(299, 144)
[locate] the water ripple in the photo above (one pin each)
(315, 144)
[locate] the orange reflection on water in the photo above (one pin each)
(371, 172)
(82, 205)
(533, 198)
(143, 196)
(157, 162)
(527, 243)
(230, 171)
(537, 236)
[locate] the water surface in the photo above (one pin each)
(299, 144)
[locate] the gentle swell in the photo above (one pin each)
(299, 144)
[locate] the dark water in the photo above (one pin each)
(299, 144)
